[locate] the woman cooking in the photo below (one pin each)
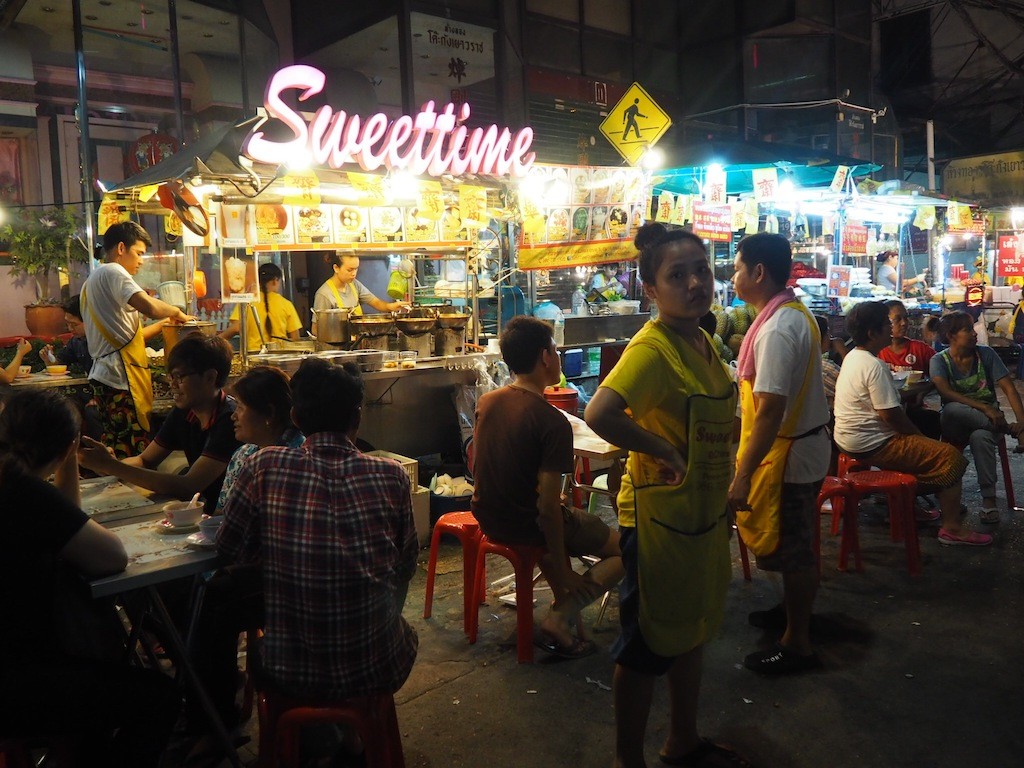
(276, 316)
(885, 276)
(345, 292)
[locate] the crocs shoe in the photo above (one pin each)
(964, 538)
(989, 516)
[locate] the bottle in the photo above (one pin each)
(579, 302)
(560, 329)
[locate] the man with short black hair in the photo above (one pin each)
(335, 533)
(522, 447)
(199, 425)
(111, 303)
(784, 450)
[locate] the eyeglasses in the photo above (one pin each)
(176, 377)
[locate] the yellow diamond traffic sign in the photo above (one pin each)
(635, 124)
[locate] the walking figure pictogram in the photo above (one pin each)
(629, 117)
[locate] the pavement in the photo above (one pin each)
(917, 672)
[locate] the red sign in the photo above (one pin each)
(1011, 255)
(430, 142)
(712, 222)
(855, 239)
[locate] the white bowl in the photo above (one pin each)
(624, 307)
(181, 514)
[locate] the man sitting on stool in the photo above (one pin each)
(523, 446)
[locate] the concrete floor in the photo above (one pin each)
(918, 672)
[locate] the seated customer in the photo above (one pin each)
(523, 446)
(199, 424)
(967, 375)
(116, 715)
(871, 425)
(335, 533)
(10, 373)
(911, 354)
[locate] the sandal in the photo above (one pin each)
(989, 516)
(579, 649)
(707, 754)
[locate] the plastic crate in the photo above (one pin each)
(411, 466)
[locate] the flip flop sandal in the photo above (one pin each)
(989, 516)
(707, 755)
(578, 650)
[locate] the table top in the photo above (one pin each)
(154, 557)
(586, 444)
(46, 380)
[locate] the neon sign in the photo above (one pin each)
(429, 142)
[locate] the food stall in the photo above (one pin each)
(423, 193)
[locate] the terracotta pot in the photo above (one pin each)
(45, 319)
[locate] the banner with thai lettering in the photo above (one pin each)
(712, 222)
(766, 184)
(1011, 255)
(855, 239)
(580, 215)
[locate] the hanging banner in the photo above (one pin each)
(714, 186)
(430, 203)
(839, 180)
(739, 217)
(110, 213)
(663, 212)
(575, 255)
(1011, 255)
(766, 184)
(683, 210)
(370, 187)
(712, 222)
(855, 239)
(924, 218)
(473, 204)
(303, 188)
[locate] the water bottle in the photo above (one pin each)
(560, 329)
(579, 302)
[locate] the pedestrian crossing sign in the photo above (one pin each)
(635, 124)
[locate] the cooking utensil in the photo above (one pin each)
(175, 332)
(452, 319)
(332, 325)
(372, 326)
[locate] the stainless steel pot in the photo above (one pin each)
(332, 326)
(175, 332)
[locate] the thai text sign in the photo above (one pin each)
(855, 239)
(712, 222)
(1011, 255)
(988, 178)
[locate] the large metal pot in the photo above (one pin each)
(332, 326)
(175, 332)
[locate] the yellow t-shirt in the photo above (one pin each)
(283, 319)
(656, 390)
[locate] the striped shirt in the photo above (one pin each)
(334, 531)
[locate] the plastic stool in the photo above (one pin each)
(283, 718)
(14, 753)
(900, 490)
(1004, 461)
(464, 527)
(524, 559)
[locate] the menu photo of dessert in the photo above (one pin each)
(313, 223)
(419, 229)
(618, 222)
(386, 225)
(558, 225)
(238, 277)
(598, 220)
(234, 225)
(351, 224)
(579, 183)
(580, 224)
(273, 224)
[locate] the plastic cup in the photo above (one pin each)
(24, 370)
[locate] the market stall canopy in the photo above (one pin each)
(806, 167)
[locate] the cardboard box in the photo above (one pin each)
(421, 514)
(411, 466)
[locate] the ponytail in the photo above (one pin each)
(268, 272)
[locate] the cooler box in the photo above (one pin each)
(572, 362)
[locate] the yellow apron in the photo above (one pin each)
(355, 310)
(683, 531)
(135, 362)
(759, 525)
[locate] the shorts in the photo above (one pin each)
(798, 514)
(935, 465)
(585, 534)
(631, 650)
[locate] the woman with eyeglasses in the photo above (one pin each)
(272, 319)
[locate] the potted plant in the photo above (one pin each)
(41, 239)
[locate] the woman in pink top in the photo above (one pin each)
(903, 353)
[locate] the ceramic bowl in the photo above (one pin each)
(56, 370)
(181, 514)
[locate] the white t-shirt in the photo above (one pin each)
(864, 386)
(107, 292)
(783, 350)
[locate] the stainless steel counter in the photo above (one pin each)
(595, 330)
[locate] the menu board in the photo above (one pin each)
(580, 215)
(273, 224)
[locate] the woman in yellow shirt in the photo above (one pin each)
(273, 318)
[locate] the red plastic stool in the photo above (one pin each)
(1004, 462)
(847, 464)
(15, 753)
(900, 490)
(524, 559)
(464, 527)
(374, 717)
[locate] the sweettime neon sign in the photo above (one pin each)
(431, 142)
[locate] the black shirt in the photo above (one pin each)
(36, 522)
(182, 431)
